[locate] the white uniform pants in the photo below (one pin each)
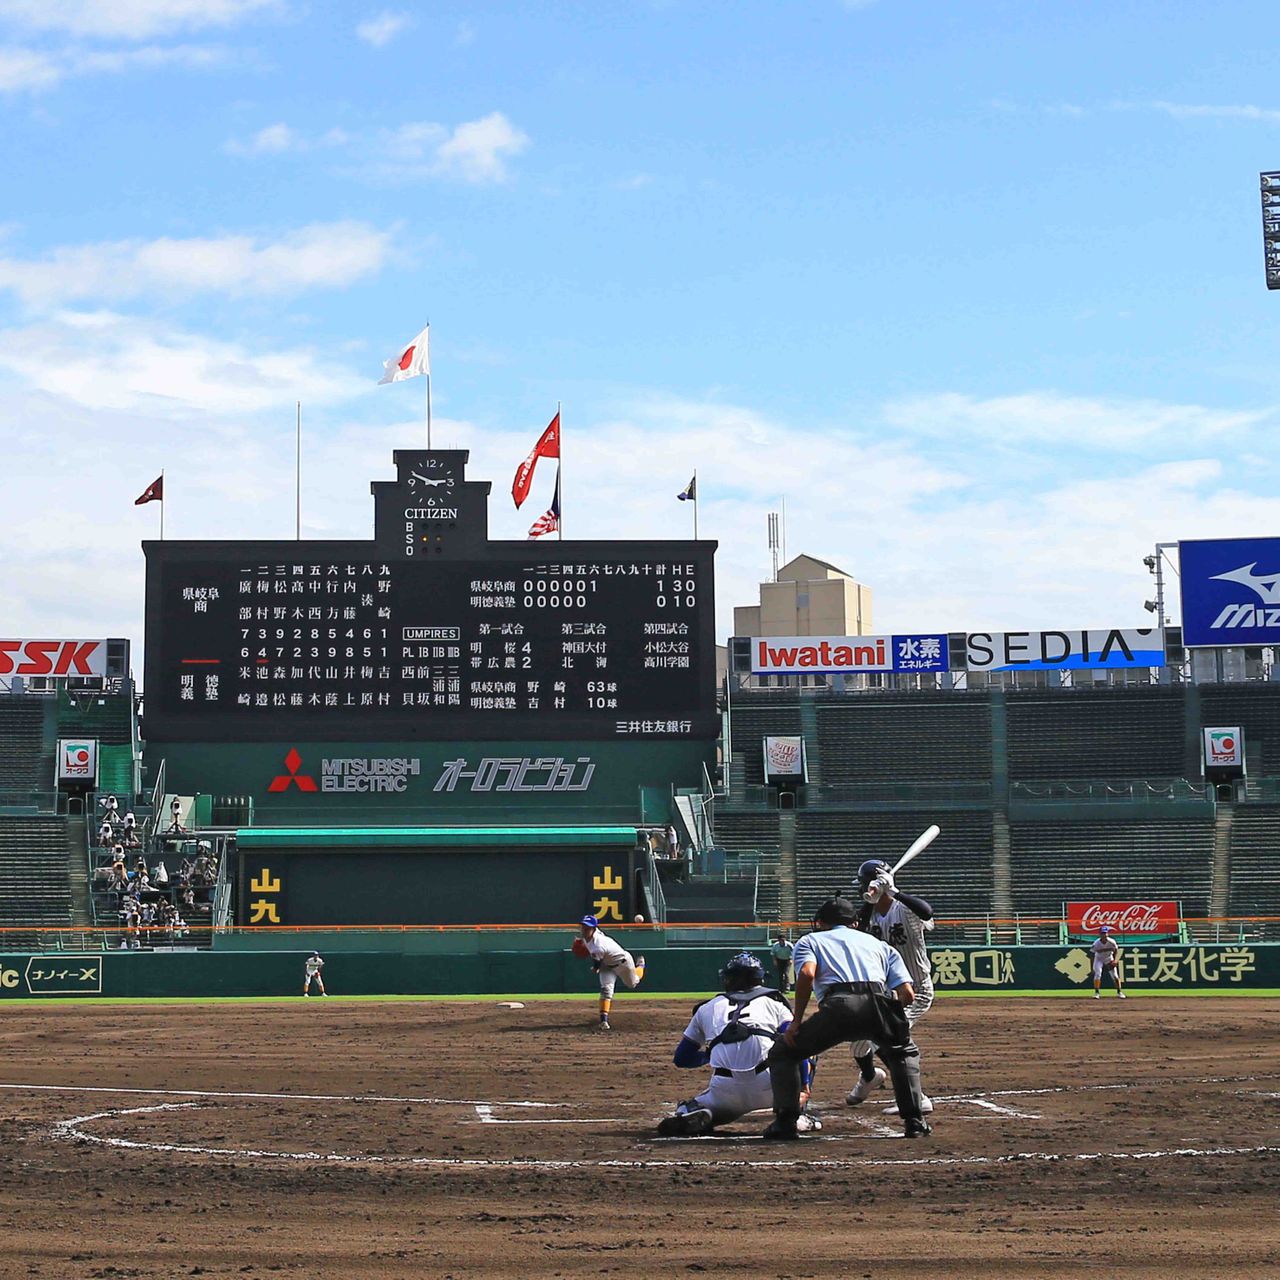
(624, 971)
(727, 1098)
(915, 1011)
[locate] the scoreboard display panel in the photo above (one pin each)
(271, 641)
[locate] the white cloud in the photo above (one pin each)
(104, 361)
(950, 535)
(380, 31)
(478, 150)
(322, 255)
(130, 19)
(22, 69)
(475, 151)
(1070, 421)
(1193, 111)
(32, 71)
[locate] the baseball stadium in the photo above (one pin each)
(308, 937)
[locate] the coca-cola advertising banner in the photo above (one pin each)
(1133, 918)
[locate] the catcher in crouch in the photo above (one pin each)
(733, 1033)
(610, 960)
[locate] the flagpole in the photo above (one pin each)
(560, 476)
(161, 506)
(695, 506)
(428, 384)
(297, 476)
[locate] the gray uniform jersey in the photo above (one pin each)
(903, 930)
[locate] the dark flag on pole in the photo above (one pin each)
(691, 493)
(549, 521)
(154, 492)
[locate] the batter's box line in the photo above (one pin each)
(71, 1129)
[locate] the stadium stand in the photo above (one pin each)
(1255, 861)
(753, 718)
(35, 886)
(1105, 733)
(1058, 861)
(1256, 709)
(904, 738)
(751, 839)
(26, 755)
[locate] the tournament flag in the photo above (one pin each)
(691, 492)
(549, 521)
(154, 492)
(548, 446)
(415, 359)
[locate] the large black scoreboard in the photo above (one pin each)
(429, 631)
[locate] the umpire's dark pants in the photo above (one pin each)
(847, 1014)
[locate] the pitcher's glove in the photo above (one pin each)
(579, 948)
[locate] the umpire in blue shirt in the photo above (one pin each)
(863, 988)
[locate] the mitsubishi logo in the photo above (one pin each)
(283, 781)
(1265, 586)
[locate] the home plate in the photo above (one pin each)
(510, 1004)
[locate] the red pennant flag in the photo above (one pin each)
(154, 492)
(548, 446)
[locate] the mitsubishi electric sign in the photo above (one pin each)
(1230, 592)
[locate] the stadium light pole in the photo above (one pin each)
(1155, 565)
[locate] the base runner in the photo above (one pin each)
(732, 1033)
(611, 961)
(1106, 960)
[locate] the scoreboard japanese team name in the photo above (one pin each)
(587, 642)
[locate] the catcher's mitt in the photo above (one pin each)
(579, 948)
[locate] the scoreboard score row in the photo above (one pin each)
(271, 641)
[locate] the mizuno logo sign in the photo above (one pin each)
(1266, 586)
(1246, 615)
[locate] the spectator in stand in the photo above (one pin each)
(110, 808)
(186, 898)
(106, 834)
(131, 840)
(175, 828)
(130, 822)
(673, 842)
(160, 875)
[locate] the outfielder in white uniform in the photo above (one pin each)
(902, 920)
(1106, 959)
(611, 961)
(311, 973)
(732, 1033)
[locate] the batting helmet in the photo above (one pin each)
(742, 972)
(871, 870)
(836, 910)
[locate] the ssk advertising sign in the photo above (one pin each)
(1230, 592)
(1138, 919)
(53, 658)
(77, 760)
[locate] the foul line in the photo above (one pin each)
(301, 1097)
(72, 1130)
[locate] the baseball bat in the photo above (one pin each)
(920, 844)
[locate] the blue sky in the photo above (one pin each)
(978, 287)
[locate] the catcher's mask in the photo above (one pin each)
(836, 910)
(742, 972)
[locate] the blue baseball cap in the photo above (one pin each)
(590, 922)
(1106, 928)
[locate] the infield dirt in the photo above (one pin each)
(1155, 1150)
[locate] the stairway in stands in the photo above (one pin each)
(35, 884)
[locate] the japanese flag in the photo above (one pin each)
(412, 361)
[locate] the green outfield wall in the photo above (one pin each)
(1157, 968)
